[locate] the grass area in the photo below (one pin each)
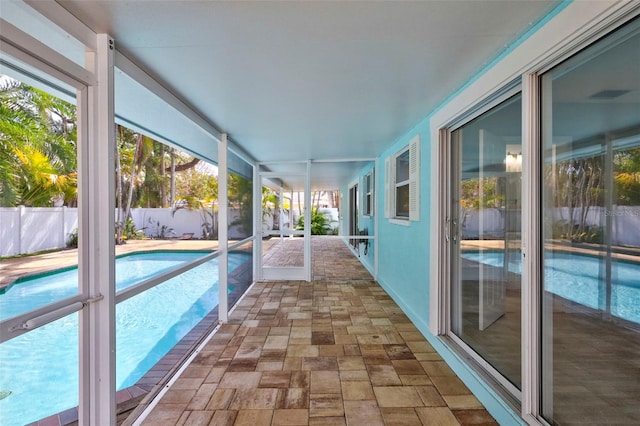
(20, 256)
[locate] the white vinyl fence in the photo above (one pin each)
(625, 222)
(32, 229)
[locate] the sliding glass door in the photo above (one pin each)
(591, 234)
(485, 241)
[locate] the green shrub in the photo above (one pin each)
(320, 223)
(72, 239)
(129, 232)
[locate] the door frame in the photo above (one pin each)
(353, 215)
(286, 273)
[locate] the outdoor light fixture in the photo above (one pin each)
(513, 159)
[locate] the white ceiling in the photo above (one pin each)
(312, 79)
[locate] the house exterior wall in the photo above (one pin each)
(405, 270)
(364, 222)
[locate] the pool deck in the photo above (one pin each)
(319, 353)
(335, 351)
(12, 269)
(631, 254)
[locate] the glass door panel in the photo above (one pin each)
(591, 220)
(485, 256)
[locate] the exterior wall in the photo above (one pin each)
(405, 270)
(364, 222)
(403, 267)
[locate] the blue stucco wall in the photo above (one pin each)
(403, 271)
(403, 268)
(404, 251)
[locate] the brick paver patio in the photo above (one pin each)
(320, 353)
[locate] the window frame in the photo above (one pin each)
(413, 182)
(398, 186)
(368, 194)
(502, 385)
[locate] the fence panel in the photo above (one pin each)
(32, 229)
(9, 235)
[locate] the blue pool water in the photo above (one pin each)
(40, 368)
(580, 278)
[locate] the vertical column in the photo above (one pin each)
(307, 222)
(281, 211)
(96, 166)
(531, 227)
(376, 216)
(223, 229)
(257, 224)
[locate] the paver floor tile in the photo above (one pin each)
(400, 416)
(357, 390)
(332, 354)
(437, 416)
(292, 417)
(253, 418)
(363, 413)
(397, 396)
(326, 405)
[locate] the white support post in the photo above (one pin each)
(281, 208)
(223, 230)
(376, 219)
(257, 223)
(307, 223)
(96, 155)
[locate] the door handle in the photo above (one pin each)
(446, 230)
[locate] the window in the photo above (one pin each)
(402, 183)
(367, 204)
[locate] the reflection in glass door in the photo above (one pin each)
(590, 196)
(485, 237)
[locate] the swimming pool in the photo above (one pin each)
(40, 368)
(579, 278)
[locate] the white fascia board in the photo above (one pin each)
(23, 47)
(136, 73)
(130, 68)
(60, 16)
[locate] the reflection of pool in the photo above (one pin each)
(580, 278)
(40, 368)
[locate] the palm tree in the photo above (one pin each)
(37, 147)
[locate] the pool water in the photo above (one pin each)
(40, 368)
(580, 278)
